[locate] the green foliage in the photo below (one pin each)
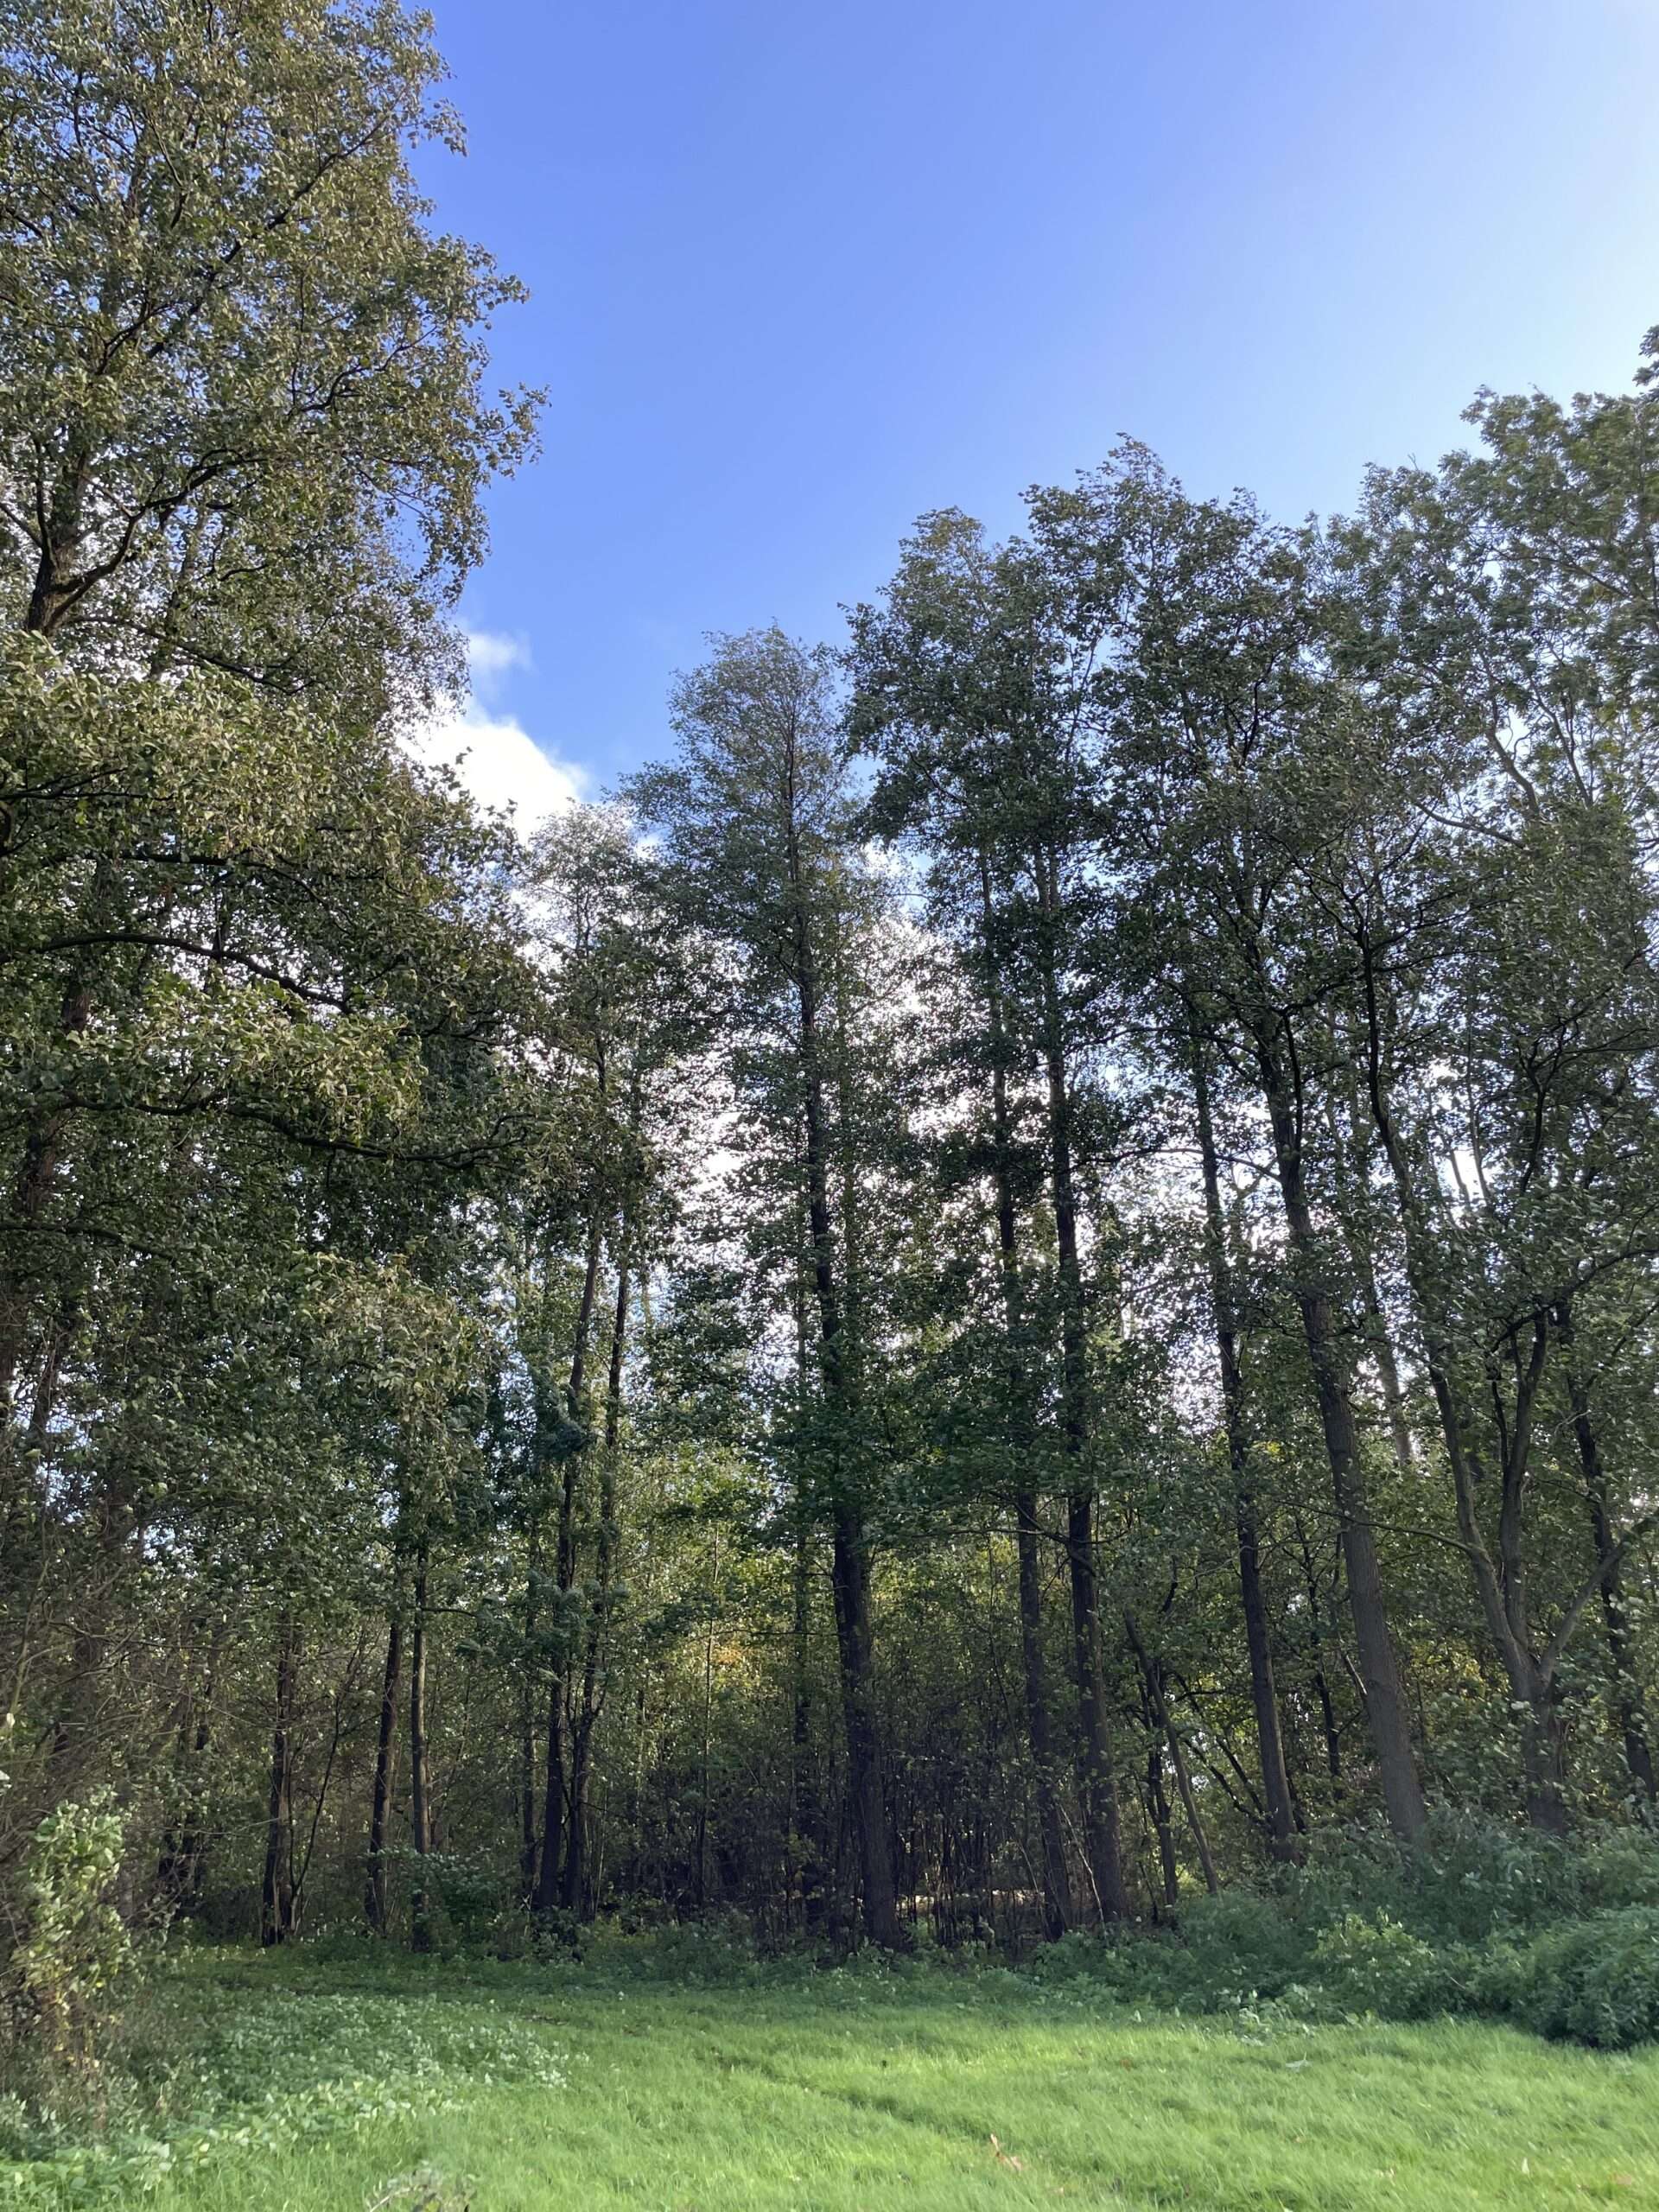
(1484, 1920)
(1370, 1963)
(944, 2091)
(259, 2072)
(74, 1945)
(1595, 1980)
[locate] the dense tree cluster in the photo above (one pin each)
(1026, 1274)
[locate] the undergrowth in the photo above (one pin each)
(183, 2086)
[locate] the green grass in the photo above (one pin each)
(827, 2093)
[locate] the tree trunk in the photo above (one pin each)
(1500, 1584)
(1151, 1673)
(1102, 1843)
(1385, 1702)
(182, 1860)
(527, 1731)
(806, 1813)
(1057, 1885)
(849, 1562)
(1264, 1698)
(1158, 1807)
(420, 1810)
(277, 1913)
(574, 1887)
(1039, 1723)
(1623, 1680)
(385, 1750)
(548, 1886)
(850, 1572)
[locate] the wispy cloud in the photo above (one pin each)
(490, 656)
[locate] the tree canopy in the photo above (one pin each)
(1022, 1277)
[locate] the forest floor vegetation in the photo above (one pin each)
(676, 2071)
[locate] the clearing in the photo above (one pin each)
(327, 2085)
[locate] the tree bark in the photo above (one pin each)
(1039, 1724)
(1386, 1713)
(548, 1886)
(1102, 1841)
(1500, 1584)
(574, 1885)
(277, 1920)
(420, 1809)
(1264, 1698)
(1623, 1682)
(849, 1565)
(386, 1752)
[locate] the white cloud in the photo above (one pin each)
(494, 756)
(489, 657)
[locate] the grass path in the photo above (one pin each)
(831, 2095)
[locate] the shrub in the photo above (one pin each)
(74, 1945)
(1372, 1964)
(1595, 1980)
(718, 1950)
(1246, 1942)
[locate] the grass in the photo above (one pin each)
(533, 2090)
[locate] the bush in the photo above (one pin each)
(1373, 1965)
(1231, 1950)
(718, 1950)
(60, 1979)
(1472, 1878)
(1482, 1918)
(1595, 1980)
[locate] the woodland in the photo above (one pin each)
(1007, 1305)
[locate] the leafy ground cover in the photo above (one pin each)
(307, 2084)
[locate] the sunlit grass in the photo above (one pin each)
(834, 2092)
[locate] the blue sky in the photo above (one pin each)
(799, 272)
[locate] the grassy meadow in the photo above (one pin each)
(311, 2084)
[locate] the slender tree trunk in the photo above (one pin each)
(527, 1731)
(386, 1752)
(849, 1574)
(1354, 1200)
(1103, 1844)
(805, 1819)
(1386, 1712)
(1102, 1841)
(182, 1861)
(1264, 1699)
(806, 1812)
(1158, 1707)
(575, 1879)
(420, 1810)
(1157, 1806)
(1190, 1804)
(1057, 1885)
(1039, 1724)
(1387, 1367)
(549, 1886)
(849, 1565)
(276, 1914)
(1623, 1680)
(1500, 1584)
